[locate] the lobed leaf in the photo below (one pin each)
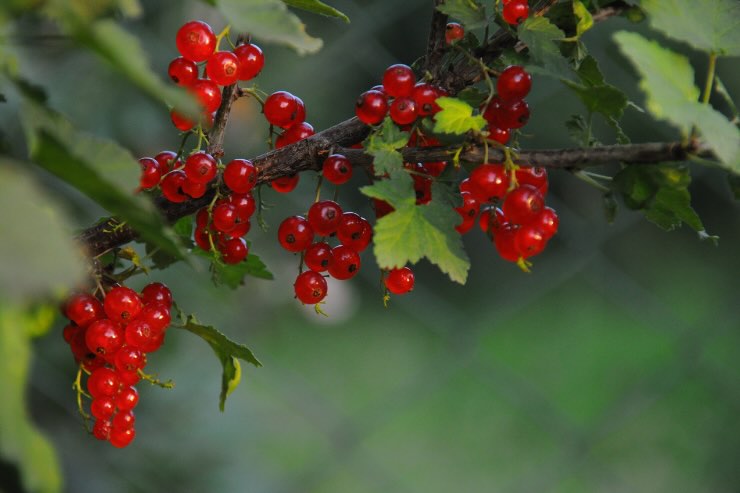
(542, 38)
(383, 145)
(456, 117)
(469, 12)
(317, 7)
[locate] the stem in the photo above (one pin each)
(710, 78)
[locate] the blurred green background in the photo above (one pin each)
(613, 367)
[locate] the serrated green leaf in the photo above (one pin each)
(456, 117)
(712, 26)
(317, 7)
(227, 351)
(100, 169)
(21, 442)
(668, 81)
(269, 20)
(470, 13)
(383, 145)
(397, 190)
(29, 267)
(413, 232)
(472, 96)
(232, 275)
(580, 131)
(585, 20)
(542, 38)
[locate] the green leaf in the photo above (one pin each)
(542, 38)
(412, 232)
(32, 266)
(269, 20)
(232, 275)
(470, 13)
(317, 7)
(585, 20)
(456, 117)
(21, 443)
(472, 96)
(227, 352)
(668, 81)
(580, 131)
(712, 26)
(383, 145)
(725, 94)
(397, 190)
(100, 169)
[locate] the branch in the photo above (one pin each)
(437, 41)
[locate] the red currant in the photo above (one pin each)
(318, 256)
(223, 68)
(500, 135)
(425, 97)
(172, 186)
(533, 175)
(468, 211)
(182, 71)
(285, 184)
(514, 83)
(138, 334)
(337, 169)
(194, 189)
(529, 241)
(399, 80)
(489, 182)
(129, 358)
(151, 173)
(167, 160)
(516, 11)
(354, 231)
(122, 304)
(127, 399)
(103, 337)
(240, 175)
(103, 382)
(195, 41)
(454, 32)
(294, 133)
(244, 204)
(399, 281)
(523, 204)
(547, 222)
(234, 250)
(345, 262)
(181, 122)
(310, 287)
(505, 242)
(324, 217)
(157, 316)
(207, 93)
(371, 107)
(102, 408)
(251, 61)
(295, 234)
(120, 438)
(224, 217)
(101, 429)
(281, 109)
(157, 292)
(515, 114)
(83, 309)
(403, 111)
(200, 167)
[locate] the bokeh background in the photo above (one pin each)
(613, 367)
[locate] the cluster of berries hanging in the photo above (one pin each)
(110, 341)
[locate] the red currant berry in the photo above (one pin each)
(505, 242)
(244, 204)
(515, 114)
(181, 122)
(151, 173)
(318, 256)
(172, 186)
(156, 292)
(425, 97)
(382, 208)
(399, 80)
(240, 175)
(122, 304)
(533, 175)
(138, 334)
(153, 343)
(103, 337)
(127, 399)
(251, 61)
(345, 262)
(129, 358)
(337, 169)
(167, 160)
(454, 32)
(466, 185)
(371, 107)
(83, 309)
(529, 241)
(491, 220)
(293, 134)
(182, 71)
(207, 93)
(241, 229)
(324, 217)
(157, 316)
(102, 408)
(403, 111)
(310, 287)
(523, 204)
(200, 167)
(223, 68)
(69, 332)
(101, 429)
(129, 377)
(103, 382)
(493, 113)
(547, 222)
(123, 420)
(285, 184)
(468, 211)
(433, 168)
(422, 188)
(121, 438)
(399, 281)
(489, 182)
(500, 135)
(514, 83)
(281, 109)
(234, 250)
(295, 233)
(224, 217)
(194, 190)
(515, 12)
(354, 231)
(195, 41)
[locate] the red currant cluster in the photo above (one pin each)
(507, 109)
(400, 96)
(197, 43)
(110, 341)
(515, 11)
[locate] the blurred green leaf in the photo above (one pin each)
(542, 38)
(232, 275)
(725, 94)
(456, 117)
(227, 352)
(21, 443)
(585, 20)
(668, 81)
(100, 169)
(269, 20)
(469, 12)
(383, 145)
(34, 264)
(734, 182)
(712, 26)
(415, 231)
(317, 7)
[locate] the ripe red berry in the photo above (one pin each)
(244, 204)
(240, 175)
(468, 211)
(200, 167)
(371, 107)
(103, 337)
(345, 262)
(168, 160)
(523, 204)
(281, 109)
(234, 250)
(425, 97)
(102, 408)
(515, 12)
(505, 242)
(295, 233)
(285, 184)
(127, 399)
(251, 60)
(101, 429)
(195, 41)
(533, 175)
(207, 93)
(500, 135)
(123, 420)
(403, 111)
(151, 173)
(489, 182)
(513, 83)
(491, 220)
(172, 186)
(337, 169)
(422, 187)
(399, 281)
(547, 222)
(399, 80)
(129, 377)
(129, 358)
(240, 230)
(181, 122)
(193, 189)
(223, 68)
(157, 316)
(294, 133)
(324, 217)
(122, 304)
(83, 309)
(224, 217)
(354, 231)
(103, 382)
(156, 292)
(493, 113)
(121, 438)
(318, 257)
(514, 114)
(138, 334)
(529, 241)
(382, 208)
(182, 71)
(454, 32)
(310, 287)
